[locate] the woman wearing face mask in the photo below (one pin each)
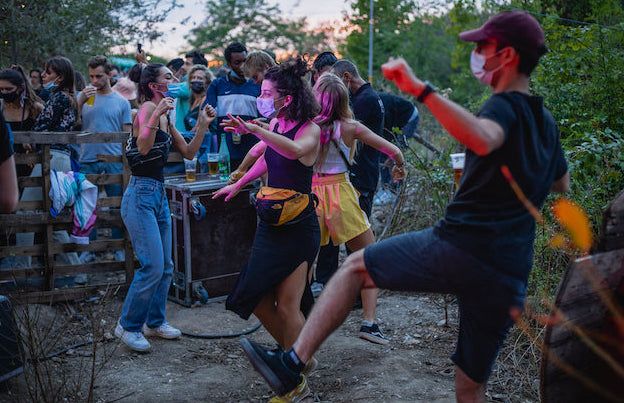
(58, 115)
(273, 282)
(145, 209)
(60, 112)
(20, 106)
(199, 79)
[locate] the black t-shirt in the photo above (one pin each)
(485, 217)
(368, 109)
(6, 141)
(397, 112)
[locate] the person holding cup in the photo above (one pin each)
(145, 209)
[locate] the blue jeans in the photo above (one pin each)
(145, 212)
(114, 190)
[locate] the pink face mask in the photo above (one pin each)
(477, 63)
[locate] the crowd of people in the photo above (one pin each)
(318, 136)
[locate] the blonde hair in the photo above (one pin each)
(208, 79)
(257, 60)
(332, 95)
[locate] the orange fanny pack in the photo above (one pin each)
(277, 206)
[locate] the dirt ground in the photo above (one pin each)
(414, 366)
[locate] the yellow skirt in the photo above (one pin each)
(339, 213)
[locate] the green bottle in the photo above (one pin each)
(224, 159)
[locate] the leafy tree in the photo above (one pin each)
(33, 31)
(415, 31)
(256, 24)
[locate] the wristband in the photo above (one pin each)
(425, 93)
(152, 127)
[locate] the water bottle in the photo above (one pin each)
(224, 159)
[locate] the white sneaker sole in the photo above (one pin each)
(373, 339)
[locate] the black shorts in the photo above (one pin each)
(422, 261)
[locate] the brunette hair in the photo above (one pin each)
(64, 68)
(17, 76)
(97, 61)
(143, 75)
(288, 79)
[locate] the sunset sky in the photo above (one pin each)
(173, 42)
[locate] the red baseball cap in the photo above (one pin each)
(516, 28)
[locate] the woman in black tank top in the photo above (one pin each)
(20, 106)
(273, 282)
(145, 209)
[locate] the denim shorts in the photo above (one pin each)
(422, 261)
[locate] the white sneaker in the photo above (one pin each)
(134, 340)
(164, 331)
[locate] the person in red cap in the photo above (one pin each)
(482, 250)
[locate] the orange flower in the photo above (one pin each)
(575, 221)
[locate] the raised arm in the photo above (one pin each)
(358, 131)
(480, 135)
(188, 150)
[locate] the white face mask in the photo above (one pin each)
(477, 63)
(266, 107)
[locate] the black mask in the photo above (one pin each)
(197, 87)
(9, 96)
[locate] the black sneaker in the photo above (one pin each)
(270, 364)
(373, 334)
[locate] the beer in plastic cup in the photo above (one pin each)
(457, 160)
(91, 99)
(190, 166)
(213, 163)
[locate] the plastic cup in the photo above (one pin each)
(457, 161)
(213, 164)
(190, 166)
(91, 99)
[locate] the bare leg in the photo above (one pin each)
(467, 390)
(369, 303)
(369, 295)
(279, 311)
(289, 293)
(334, 305)
(265, 312)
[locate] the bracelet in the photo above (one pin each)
(152, 127)
(429, 89)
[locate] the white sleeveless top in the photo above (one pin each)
(334, 163)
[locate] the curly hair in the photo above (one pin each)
(288, 78)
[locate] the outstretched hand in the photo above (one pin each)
(229, 191)
(237, 125)
(397, 70)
